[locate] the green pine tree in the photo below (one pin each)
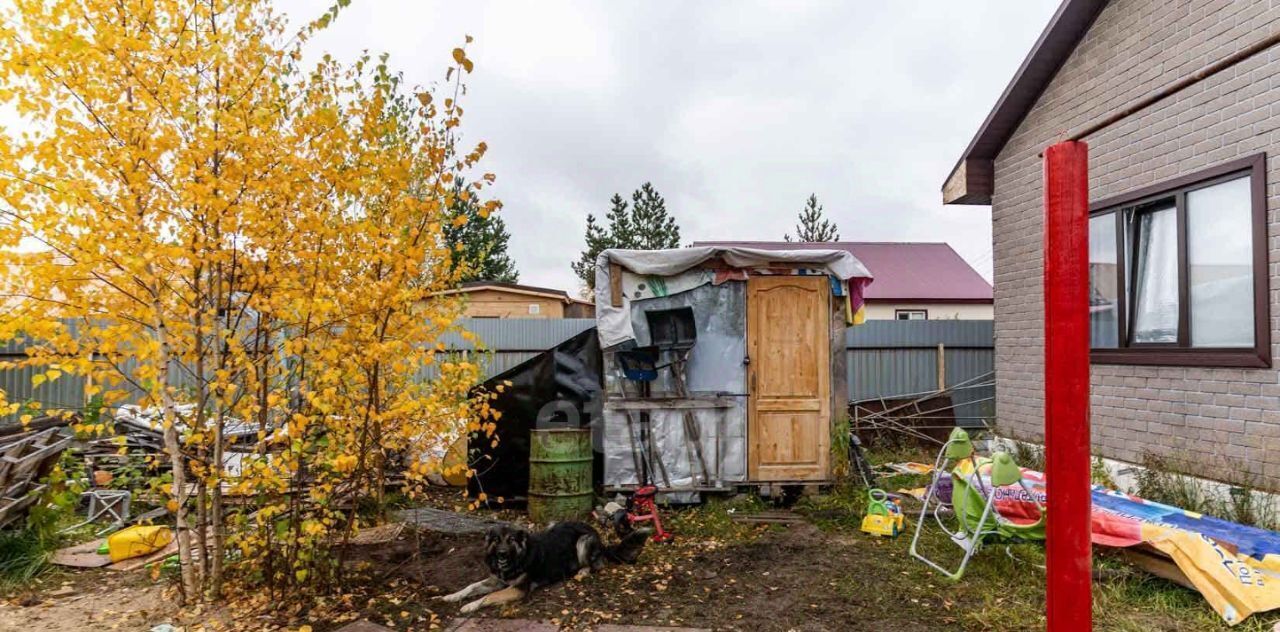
(653, 227)
(812, 226)
(480, 244)
(621, 229)
(644, 225)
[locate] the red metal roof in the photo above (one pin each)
(915, 271)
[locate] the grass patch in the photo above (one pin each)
(1163, 481)
(1003, 587)
(23, 554)
(714, 519)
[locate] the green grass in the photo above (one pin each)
(714, 520)
(1003, 590)
(1162, 480)
(23, 554)
(25, 550)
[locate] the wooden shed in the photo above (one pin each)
(747, 389)
(496, 299)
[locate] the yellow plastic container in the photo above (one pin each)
(138, 540)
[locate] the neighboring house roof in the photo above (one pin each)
(903, 271)
(514, 288)
(972, 180)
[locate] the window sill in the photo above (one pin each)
(1237, 358)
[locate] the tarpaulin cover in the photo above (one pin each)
(1235, 567)
(614, 323)
(558, 388)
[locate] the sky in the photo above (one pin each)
(736, 111)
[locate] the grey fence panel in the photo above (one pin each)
(892, 359)
(518, 334)
(886, 359)
(67, 391)
(897, 334)
(491, 362)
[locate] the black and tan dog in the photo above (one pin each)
(520, 562)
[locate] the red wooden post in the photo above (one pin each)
(1069, 599)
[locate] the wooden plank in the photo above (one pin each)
(669, 403)
(1157, 564)
(768, 517)
(615, 285)
(84, 555)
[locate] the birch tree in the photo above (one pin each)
(192, 219)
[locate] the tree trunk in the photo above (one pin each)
(190, 587)
(219, 529)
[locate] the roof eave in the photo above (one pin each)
(972, 180)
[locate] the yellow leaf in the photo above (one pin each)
(459, 55)
(38, 379)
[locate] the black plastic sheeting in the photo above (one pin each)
(558, 388)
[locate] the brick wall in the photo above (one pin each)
(1224, 423)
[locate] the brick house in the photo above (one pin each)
(1184, 185)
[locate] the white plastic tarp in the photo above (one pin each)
(614, 323)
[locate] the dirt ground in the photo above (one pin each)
(717, 574)
(784, 578)
(74, 602)
(789, 578)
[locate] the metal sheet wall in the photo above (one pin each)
(895, 359)
(885, 358)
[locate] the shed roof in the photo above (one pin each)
(972, 179)
(915, 271)
(517, 288)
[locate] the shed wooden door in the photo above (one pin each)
(788, 420)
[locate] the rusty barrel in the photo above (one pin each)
(559, 475)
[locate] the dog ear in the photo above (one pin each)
(521, 536)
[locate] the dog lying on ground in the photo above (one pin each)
(520, 562)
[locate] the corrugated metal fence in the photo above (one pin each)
(898, 359)
(506, 342)
(886, 359)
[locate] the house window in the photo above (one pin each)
(1178, 271)
(911, 314)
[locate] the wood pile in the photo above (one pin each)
(26, 458)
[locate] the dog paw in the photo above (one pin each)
(472, 607)
(450, 598)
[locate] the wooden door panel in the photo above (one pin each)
(787, 440)
(790, 377)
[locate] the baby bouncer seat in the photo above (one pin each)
(978, 484)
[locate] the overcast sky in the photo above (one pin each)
(736, 111)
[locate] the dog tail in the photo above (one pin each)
(628, 550)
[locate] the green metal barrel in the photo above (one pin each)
(559, 475)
